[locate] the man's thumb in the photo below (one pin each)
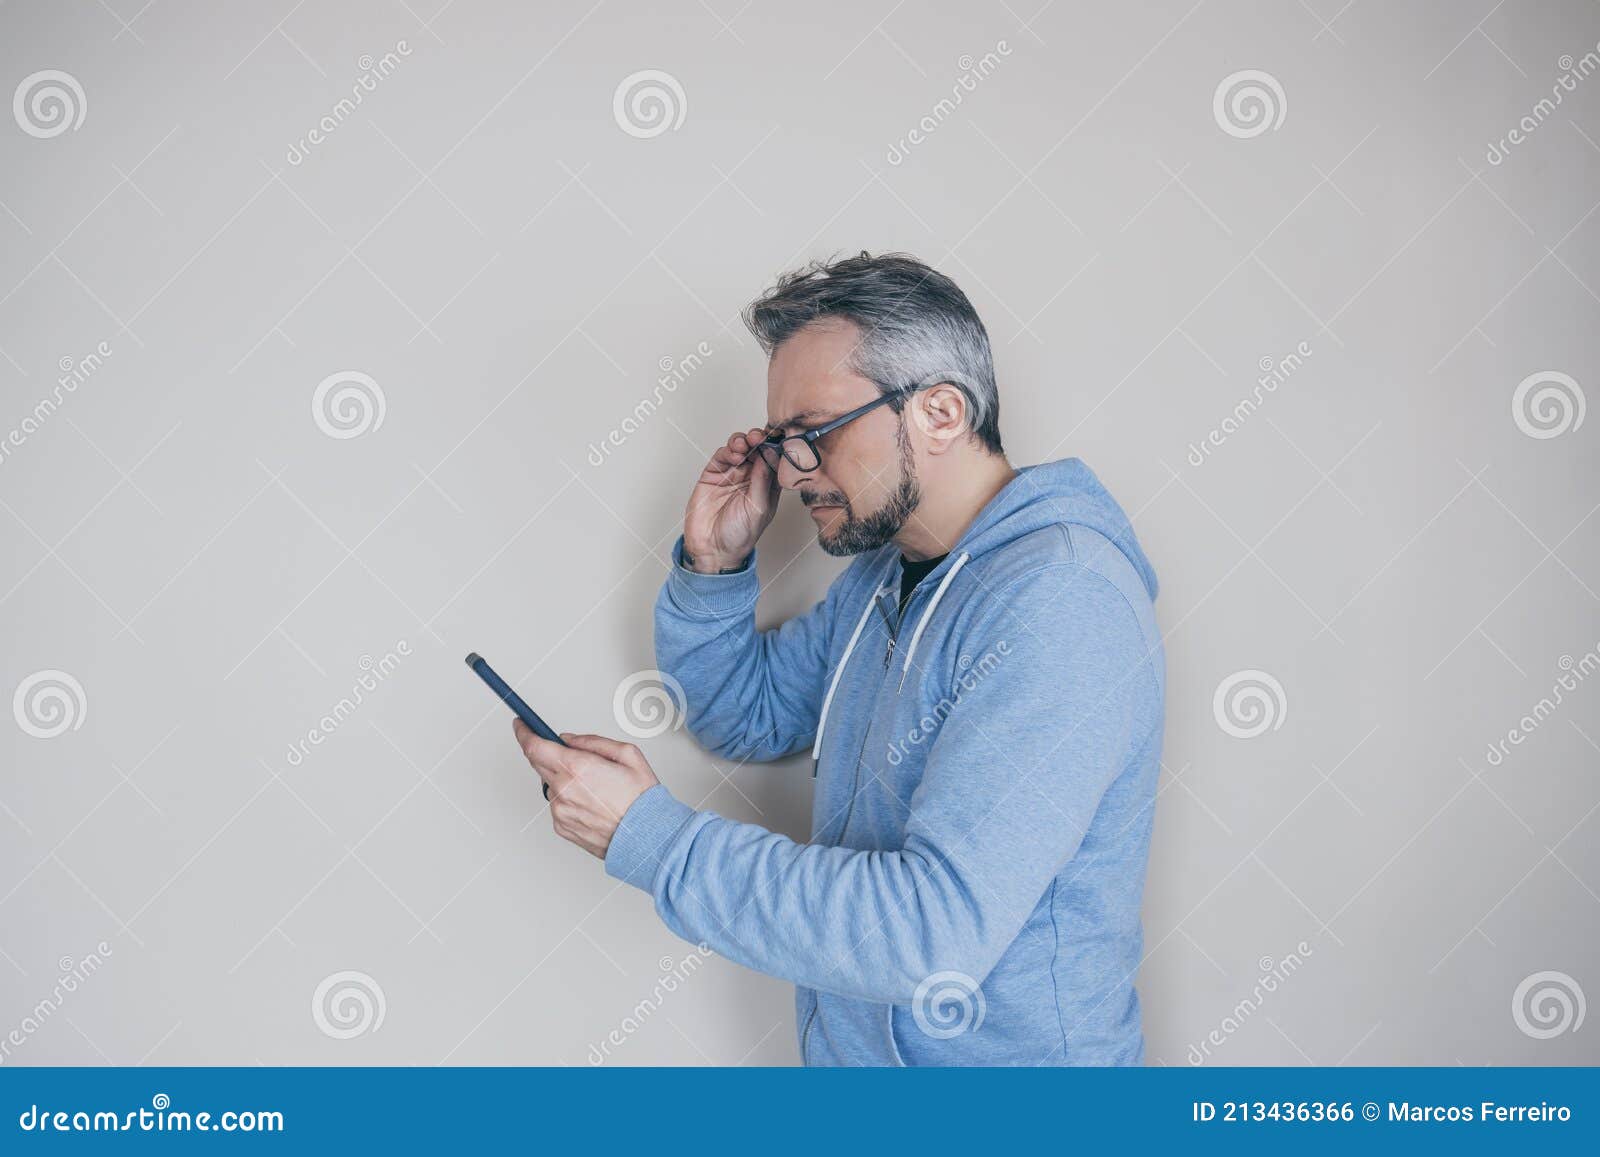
(613, 749)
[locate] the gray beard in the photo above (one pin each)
(859, 535)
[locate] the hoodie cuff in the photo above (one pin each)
(646, 834)
(711, 596)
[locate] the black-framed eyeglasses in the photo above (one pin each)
(800, 450)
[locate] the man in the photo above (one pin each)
(982, 689)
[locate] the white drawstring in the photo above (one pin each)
(822, 721)
(928, 614)
(855, 637)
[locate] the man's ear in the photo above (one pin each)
(940, 412)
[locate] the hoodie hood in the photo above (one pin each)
(1065, 491)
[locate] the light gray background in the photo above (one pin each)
(484, 240)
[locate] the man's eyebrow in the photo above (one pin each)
(798, 419)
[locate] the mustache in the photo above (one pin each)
(833, 498)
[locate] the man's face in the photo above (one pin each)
(866, 486)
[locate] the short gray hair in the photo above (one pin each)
(917, 327)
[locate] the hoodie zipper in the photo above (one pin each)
(805, 1033)
(893, 627)
(894, 634)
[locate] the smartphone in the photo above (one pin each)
(511, 699)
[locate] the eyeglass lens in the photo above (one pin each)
(802, 455)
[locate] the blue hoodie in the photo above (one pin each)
(986, 777)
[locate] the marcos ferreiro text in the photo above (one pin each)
(1397, 1112)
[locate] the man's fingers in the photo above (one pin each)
(737, 449)
(549, 759)
(613, 749)
(741, 443)
(724, 462)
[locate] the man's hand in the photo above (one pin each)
(731, 504)
(593, 782)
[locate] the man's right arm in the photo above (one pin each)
(751, 694)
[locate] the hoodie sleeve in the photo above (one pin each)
(1012, 782)
(750, 694)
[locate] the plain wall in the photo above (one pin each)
(482, 238)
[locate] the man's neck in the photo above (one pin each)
(940, 521)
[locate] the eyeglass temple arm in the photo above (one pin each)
(851, 416)
(772, 438)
